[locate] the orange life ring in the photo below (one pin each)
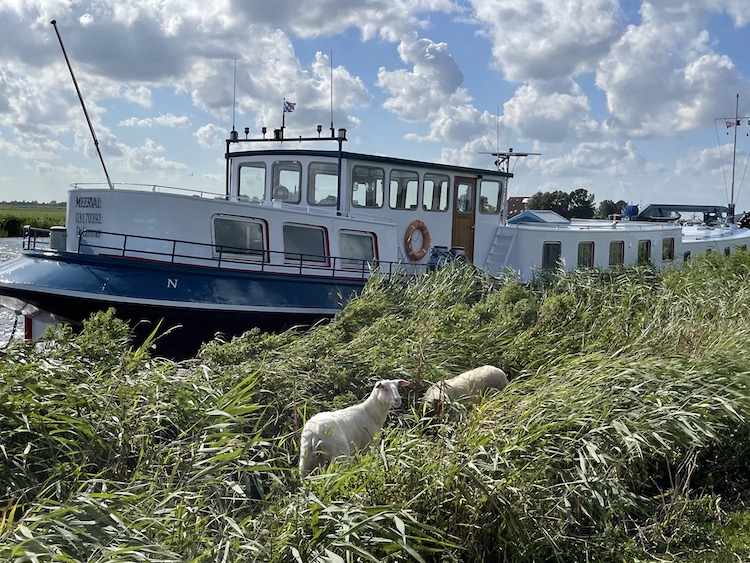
(408, 243)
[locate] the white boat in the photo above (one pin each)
(298, 230)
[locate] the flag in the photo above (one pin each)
(732, 123)
(289, 106)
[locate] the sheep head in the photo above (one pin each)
(388, 391)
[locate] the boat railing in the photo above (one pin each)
(151, 187)
(35, 238)
(174, 251)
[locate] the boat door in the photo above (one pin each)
(464, 198)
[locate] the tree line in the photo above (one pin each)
(576, 204)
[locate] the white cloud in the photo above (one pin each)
(550, 112)
(210, 135)
(547, 39)
(599, 158)
(662, 76)
(168, 120)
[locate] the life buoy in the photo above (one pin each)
(416, 225)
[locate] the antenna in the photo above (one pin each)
(331, 64)
(233, 135)
(80, 97)
(234, 92)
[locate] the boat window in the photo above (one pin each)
(726, 251)
(367, 186)
(305, 243)
(586, 254)
(551, 252)
(616, 252)
(322, 183)
(287, 178)
(686, 256)
(489, 197)
(464, 198)
(239, 236)
(357, 249)
(252, 181)
(403, 189)
(435, 192)
(667, 249)
(644, 252)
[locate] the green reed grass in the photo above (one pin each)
(622, 436)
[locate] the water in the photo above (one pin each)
(9, 248)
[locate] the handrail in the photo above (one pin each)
(152, 187)
(228, 257)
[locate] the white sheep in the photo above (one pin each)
(466, 387)
(332, 434)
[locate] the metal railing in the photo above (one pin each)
(175, 251)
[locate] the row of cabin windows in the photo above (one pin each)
(304, 243)
(368, 187)
(551, 252)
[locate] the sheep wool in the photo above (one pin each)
(466, 387)
(332, 434)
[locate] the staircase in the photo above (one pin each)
(500, 249)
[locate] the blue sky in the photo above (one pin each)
(620, 97)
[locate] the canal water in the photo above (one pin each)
(9, 248)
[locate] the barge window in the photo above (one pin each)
(686, 256)
(357, 249)
(304, 243)
(287, 178)
(322, 183)
(489, 196)
(252, 181)
(667, 249)
(616, 252)
(727, 252)
(367, 186)
(464, 198)
(644, 252)
(234, 236)
(403, 189)
(586, 254)
(551, 252)
(435, 192)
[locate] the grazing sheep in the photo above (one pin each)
(466, 388)
(329, 435)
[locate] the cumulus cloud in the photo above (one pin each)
(210, 135)
(550, 112)
(662, 77)
(607, 157)
(167, 120)
(548, 39)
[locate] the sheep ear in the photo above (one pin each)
(403, 382)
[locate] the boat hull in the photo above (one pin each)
(199, 301)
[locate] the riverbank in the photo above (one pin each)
(13, 217)
(622, 435)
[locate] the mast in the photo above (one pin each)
(734, 156)
(86, 113)
(503, 164)
(733, 122)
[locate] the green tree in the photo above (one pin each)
(609, 207)
(581, 204)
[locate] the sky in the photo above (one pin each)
(626, 99)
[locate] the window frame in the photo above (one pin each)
(546, 245)
(378, 190)
(249, 253)
(277, 168)
(316, 169)
(323, 259)
(587, 253)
